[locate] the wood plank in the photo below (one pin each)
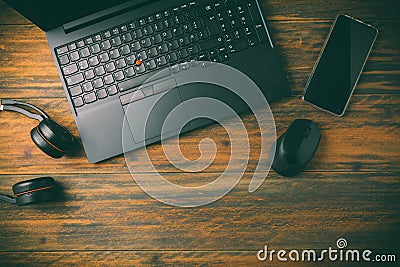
(104, 212)
(27, 69)
(366, 138)
(286, 10)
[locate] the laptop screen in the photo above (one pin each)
(49, 14)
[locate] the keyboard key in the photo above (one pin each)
(224, 57)
(74, 56)
(115, 31)
(89, 74)
(78, 102)
(172, 57)
(98, 83)
(131, 60)
(159, 26)
(238, 46)
(97, 38)
(148, 91)
(83, 64)
(131, 25)
(108, 79)
(137, 34)
(116, 41)
(140, 69)
(146, 42)
(105, 45)
(99, 70)
(70, 69)
(212, 24)
(124, 50)
(161, 61)
(95, 49)
(142, 22)
(152, 52)
(135, 46)
(90, 98)
(162, 49)
(173, 45)
(87, 87)
(62, 50)
(110, 67)
(191, 15)
(123, 28)
(150, 65)
(193, 50)
(77, 90)
(142, 56)
(85, 52)
(148, 30)
(72, 80)
(102, 93)
(167, 35)
(183, 53)
(80, 43)
(72, 46)
(94, 61)
(211, 43)
(114, 54)
(104, 57)
(120, 63)
(253, 41)
(119, 75)
(88, 41)
(107, 34)
(194, 38)
(63, 59)
(184, 41)
(126, 37)
(129, 72)
(112, 90)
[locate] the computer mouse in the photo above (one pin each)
(296, 147)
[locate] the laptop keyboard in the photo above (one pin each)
(118, 59)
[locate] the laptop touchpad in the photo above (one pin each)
(147, 115)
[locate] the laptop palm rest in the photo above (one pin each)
(146, 116)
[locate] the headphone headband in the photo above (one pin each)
(10, 105)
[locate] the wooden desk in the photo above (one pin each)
(350, 189)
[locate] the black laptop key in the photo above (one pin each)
(78, 102)
(172, 57)
(64, 59)
(110, 67)
(80, 43)
(97, 38)
(253, 41)
(104, 57)
(108, 79)
(162, 49)
(129, 72)
(238, 46)
(119, 75)
(99, 70)
(88, 40)
(72, 80)
(161, 61)
(152, 52)
(211, 43)
(114, 53)
(76, 90)
(90, 98)
(183, 53)
(148, 30)
(140, 69)
(178, 31)
(137, 34)
(130, 60)
(173, 44)
(184, 41)
(167, 35)
(120, 63)
(70, 69)
(191, 15)
(159, 26)
(72, 46)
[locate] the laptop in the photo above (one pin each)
(105, 50)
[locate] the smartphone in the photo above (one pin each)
(340, 64)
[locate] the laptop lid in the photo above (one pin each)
(49, 14)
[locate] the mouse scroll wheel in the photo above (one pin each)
(307, 132)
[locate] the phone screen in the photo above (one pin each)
(340, 64)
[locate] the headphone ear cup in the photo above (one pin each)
(52, 138)
(34, 191)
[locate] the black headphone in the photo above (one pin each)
(52, 139)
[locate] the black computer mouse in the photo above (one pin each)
(296, 147)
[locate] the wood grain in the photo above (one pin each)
(350, 189)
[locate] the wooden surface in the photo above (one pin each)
(350, 189)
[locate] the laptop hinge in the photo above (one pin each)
(102, 15)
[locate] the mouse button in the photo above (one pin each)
(294, 136)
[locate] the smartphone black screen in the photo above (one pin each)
(340, 64)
